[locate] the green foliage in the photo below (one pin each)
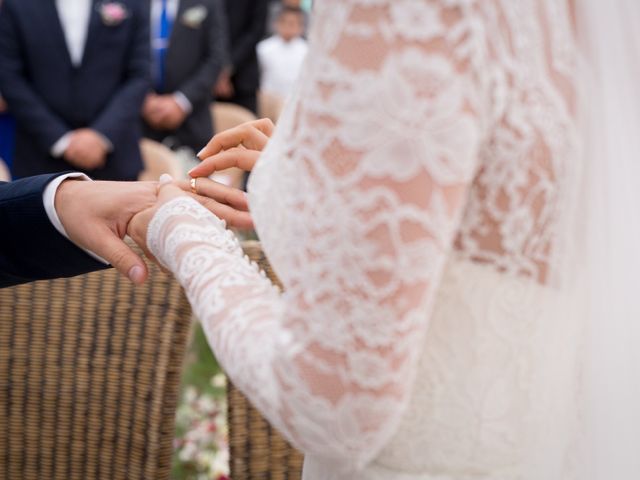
(199, 370)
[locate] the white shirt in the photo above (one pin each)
(156, 10)
(74, 17)
(49, 197)
(280, 63)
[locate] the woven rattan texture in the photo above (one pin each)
(89, 376)
(258, 452)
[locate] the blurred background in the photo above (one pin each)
(132, 89)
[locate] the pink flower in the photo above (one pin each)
(113, 13)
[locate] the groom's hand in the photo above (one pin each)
(95, 216)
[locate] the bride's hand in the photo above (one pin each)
(237, 147)
(225, 202)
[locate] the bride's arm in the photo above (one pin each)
(387, 132)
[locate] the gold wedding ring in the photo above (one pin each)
(194, 186)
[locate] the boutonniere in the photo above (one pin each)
(112, 13)
(194, 16)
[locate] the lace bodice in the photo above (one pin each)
(418, 127)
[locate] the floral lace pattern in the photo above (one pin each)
(418, 127)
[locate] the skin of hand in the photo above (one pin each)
(3, 106)
(237, 147)
(150, 110)
(87, 150)
(97, 215)
(225, 202)
(172, 114)
(224, 87)
(163, 112)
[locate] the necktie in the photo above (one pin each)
(161, 45)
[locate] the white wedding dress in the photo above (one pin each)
(410, 202)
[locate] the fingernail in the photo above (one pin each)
(201, 152)
(165, 178)
(191, 171)
(136, 274)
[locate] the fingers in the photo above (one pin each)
(218, 192)
(169, 191)
(234, 218)
(137, 231)
(241, 158)
(252, 135)
(123, 259)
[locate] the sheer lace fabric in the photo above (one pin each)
(425, 138)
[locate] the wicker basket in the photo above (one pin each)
(258, 452)
(89, 375)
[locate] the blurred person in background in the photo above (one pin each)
(74, 74)
(282, 55)
(239, 81)
(276, 6)
(188, 50)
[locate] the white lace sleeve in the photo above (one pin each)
(371, 167)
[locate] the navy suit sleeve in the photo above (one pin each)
(198, 86)
(45, 127)
(124, 108)
(30, 246)
(246, 44)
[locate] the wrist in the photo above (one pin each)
(64, 194)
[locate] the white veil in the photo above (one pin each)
(609, 33)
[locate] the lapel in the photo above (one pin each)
(49, 12)
(183, 6)
(94, 29)
(178, 27)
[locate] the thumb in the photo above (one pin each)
(115, 251)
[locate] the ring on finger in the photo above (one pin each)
(194, 185)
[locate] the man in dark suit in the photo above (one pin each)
(39, 215)
(240, 80)
(188, 49)
(74, 74)
(62, 225)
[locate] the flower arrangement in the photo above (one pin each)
(201, 444)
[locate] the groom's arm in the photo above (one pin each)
(30, 246)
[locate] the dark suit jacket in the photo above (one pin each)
(247, 21)
(30, 246)
(194, 59)
(49, 96)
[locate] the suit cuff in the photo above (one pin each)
(183, 102)
(58, 149)
(48, 198)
